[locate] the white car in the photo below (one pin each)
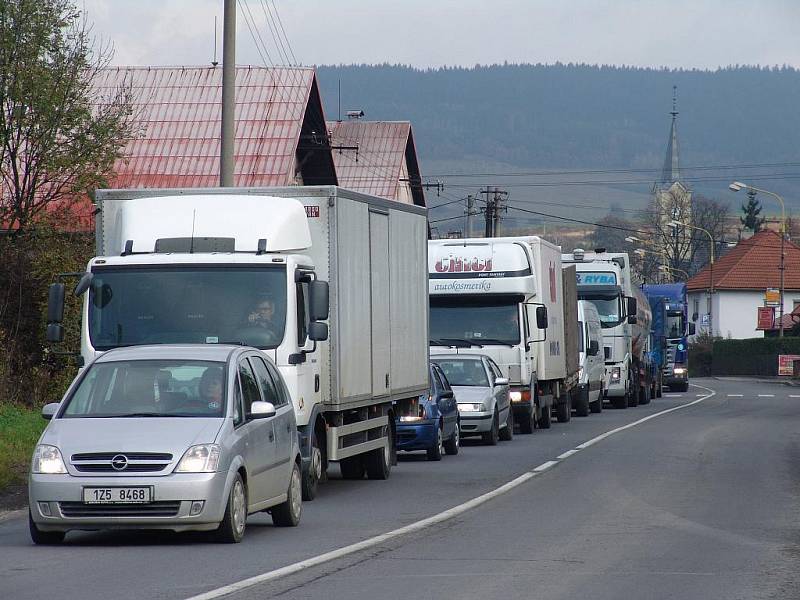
(191, 437)
(591, 360)
(482, 393)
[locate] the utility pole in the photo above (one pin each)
(228, 94)
(470, 212)
(494, 206)
(499, 198)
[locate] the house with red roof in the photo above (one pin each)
(739, 280)
(378, 158)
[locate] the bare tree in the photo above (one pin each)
(712, 216)
(60, 130)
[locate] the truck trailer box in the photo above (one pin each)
(570, 293)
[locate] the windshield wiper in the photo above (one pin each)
(485, 341)
(139, 414)
(457, 342)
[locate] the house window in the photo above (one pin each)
(696, 310)
(795, 304)
(708, 304)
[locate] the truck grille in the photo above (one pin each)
(77, 510)
(137, 462)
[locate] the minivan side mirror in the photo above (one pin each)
(49, 410)
(261, 410)
(594, 348)
(319, 301)
(541, 317)
(692, 329)
(501, 381)
(317, 332)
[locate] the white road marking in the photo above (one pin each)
(672, 395)
(794, 395)
(545, 465)
(766, 395)
(567, 454)
(735, 395)
(419, 525)
(698, 395)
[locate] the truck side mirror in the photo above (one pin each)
(541, 317)
(55, 313)
(692, 329)
(83, 284)
(319, 303)
(317, 332)
(631, 306)
(594, 348)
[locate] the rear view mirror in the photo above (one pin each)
(692, 329)
(317, 332)
(447, 394)
(49, 410)
(319, 303)
(632, 319)
(55, 313)
(84, 284)
(261, 410)
(631, 307)
(594, 348)
(541, 317)
(501, 381)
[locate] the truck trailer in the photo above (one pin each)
(503, 297)
(268, 267)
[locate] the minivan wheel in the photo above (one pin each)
(231, 529)
(435, 452)
(287, 514)
(44, 538)
(312, 476)
(451, 445)
(507, 433)
(491, 437)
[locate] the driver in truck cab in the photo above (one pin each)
(262, 317)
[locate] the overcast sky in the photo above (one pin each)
(423, 33)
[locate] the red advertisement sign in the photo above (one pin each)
(766, 317)
(786, 363)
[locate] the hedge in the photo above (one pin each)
(753, 357)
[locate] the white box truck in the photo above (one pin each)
(250, 266)
(503, 297)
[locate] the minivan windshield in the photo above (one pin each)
(609, 307)
(195, 304)
(464, 372)
(476, 320)
(149, 388)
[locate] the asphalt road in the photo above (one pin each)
(697, 503)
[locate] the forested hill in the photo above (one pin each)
(580, 116)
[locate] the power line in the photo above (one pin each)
(288, 43)
(607, 226)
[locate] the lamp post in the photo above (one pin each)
(737, 186)
(667, 268)
(675, 224)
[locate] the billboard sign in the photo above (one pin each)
(766, 317)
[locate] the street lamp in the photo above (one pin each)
(632, 239)
(675, 224)
(667, 269)
(738, 186)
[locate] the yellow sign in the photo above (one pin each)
(772, 297)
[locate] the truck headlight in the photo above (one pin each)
(47, 460)
(679, 370)
(203, 458)
(615, 373)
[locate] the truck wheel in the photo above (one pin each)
(633, 395)
(526, 425)
(683, 387)
(451, 446)
(491, 437)
(507, 432)
(231, 529)
(378, 462)
(644, 395)
(620, 401)
(564, 408)
(597, 405)
(352, 468)
(660, 390)
(44, 538)
(288, 513)
(582, 405)
(546, 418)
(435, 452)
(313, 474)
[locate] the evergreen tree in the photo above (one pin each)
(750, 211)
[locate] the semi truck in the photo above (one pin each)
(330, 284)
(503, 297)
(604, 278)
(677, 328)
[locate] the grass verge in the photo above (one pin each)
(20, 428)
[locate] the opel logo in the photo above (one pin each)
(119, 462)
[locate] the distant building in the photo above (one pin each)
(741, 278)
(377, 157)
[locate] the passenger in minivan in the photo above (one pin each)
(210, 389)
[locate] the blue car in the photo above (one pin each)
(432, 423)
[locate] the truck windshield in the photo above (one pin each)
(476, 320)
(187, 304)
(149, 388)
(609, 306)
(675, 327)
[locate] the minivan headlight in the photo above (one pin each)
(47, 460)
(203, 458)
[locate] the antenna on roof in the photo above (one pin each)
(214, 62)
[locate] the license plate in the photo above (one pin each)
(117, 495)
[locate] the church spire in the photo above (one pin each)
(671, 171)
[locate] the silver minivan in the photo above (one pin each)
(591, 360)
(184, 437)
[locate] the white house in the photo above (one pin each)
(740, 279)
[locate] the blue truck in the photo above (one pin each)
(675, 330)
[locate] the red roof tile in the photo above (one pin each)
(752, 265)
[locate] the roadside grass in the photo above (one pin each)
(20, 428)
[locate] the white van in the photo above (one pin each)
(591, 369)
